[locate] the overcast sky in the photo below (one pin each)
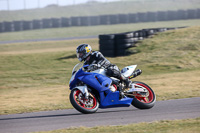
(28, 4)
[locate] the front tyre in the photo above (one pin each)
(83, 105)
(144, 102)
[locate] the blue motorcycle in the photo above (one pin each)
(92, 89)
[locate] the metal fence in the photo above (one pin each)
(99, 20)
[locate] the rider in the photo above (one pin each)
(84, 53)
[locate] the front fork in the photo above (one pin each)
(84, 90)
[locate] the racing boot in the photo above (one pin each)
(126, 81)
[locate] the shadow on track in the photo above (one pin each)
(62, 115)
(44, 116)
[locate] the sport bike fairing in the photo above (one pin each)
(101, 83)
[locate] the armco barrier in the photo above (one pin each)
(112, 45)
(101, 20)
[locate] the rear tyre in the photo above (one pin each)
(144, 102)
(86, 106)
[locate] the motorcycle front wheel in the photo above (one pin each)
(82, 104)
(144, 102)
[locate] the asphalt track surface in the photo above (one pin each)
(51, 120)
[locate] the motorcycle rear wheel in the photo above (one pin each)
(144, 102)
(86, 106)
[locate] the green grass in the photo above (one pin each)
(92, 30)
(96, 9)
(165, 126)
(38, 64)
(34, 76)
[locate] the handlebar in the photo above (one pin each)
(92, 67)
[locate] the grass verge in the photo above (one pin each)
(165, 126)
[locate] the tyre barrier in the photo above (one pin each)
(171, 15)
(100, 20)
(104, 20)
(132, 18)
(75, 21)
(1, 27)
(107, 45)
(46, 23)
(123, 18)
(94, 20)
(142, 17)
(198, 13)
(8, 26)
(108, 53)
(161, 16)
(84, 21)
(37, 24)
(17, 25)
(151, 17)
(65, 22)
(114, 19)
(107, 37)
(112, 45)
(56, 23)
(192, 14)
(26, 25)
(181, 14)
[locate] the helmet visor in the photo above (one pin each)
(80, 56)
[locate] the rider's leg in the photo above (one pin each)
(113, 71)
(125, 80)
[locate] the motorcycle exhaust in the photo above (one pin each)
(135, 73)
